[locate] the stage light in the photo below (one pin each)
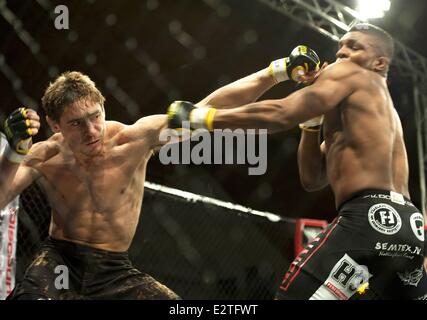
(369, 9)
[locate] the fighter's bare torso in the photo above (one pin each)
(364, 144)
(97, 202)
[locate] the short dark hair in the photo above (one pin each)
(386, 42)
(67, 89)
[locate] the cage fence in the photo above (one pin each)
(200, 247)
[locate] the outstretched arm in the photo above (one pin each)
(331, 87)
(242, 91)
(302, 60)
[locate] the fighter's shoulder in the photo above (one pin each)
(148, 123)
(342, 70)
(145, 127)
(155, 121)
(50, 147)
(114, 127)
(43, 150)
(116, 131)
(120, 132)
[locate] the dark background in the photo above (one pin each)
(145, 54)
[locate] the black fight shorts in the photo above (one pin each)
(374, 249)
(66, 270)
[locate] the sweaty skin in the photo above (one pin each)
(363, 147)
(95, 179)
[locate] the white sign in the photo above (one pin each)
(8, 232)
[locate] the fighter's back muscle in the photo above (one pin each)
(359, 137)
(400, 160)
(364, 112)
(367, 114)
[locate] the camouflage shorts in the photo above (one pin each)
(65, 270)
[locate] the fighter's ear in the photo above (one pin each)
(53, 124)
(381, 64)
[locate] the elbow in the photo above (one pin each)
(311, 185)
(308, 186)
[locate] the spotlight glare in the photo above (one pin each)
(369, 9)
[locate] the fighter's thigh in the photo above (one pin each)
(149, 288)
(135, 285)
(44, 278)
(328, 268)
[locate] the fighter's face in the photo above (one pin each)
(359, 48)
(82, 125)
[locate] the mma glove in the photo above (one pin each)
(184, 111)
(301, 61)
(18, 134)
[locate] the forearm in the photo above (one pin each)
(311, 162)
(7, 173)
(258, 115)
(240, 92)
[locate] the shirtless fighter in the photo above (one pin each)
(93, 173)
(375, 245)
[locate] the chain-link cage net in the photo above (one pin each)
(199, 247)
(33, 226)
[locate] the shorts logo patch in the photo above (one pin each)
(384, 218)
(417, 225)
(411, 278)
(346, 277)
